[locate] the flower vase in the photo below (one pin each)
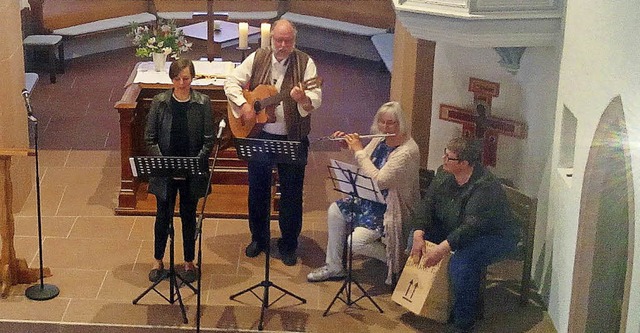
(159, 61)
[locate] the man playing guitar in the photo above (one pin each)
(284, 67)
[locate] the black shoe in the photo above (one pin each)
(253, 249)
(289, 259)
(156, 274)
(189, 275)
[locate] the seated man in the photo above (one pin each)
(393, 162)
(464, 210)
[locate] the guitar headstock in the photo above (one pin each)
(312, 83)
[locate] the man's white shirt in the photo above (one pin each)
(241, 75)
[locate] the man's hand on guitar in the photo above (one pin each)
(247, 112)
(298, 95)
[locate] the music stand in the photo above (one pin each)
(276, 151)
(175, 167)
(347, 179)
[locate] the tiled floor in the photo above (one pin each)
(100, 261)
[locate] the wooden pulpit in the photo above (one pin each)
(12, 270)
(229, 193)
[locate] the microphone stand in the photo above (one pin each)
(221, 126)
(42, 291)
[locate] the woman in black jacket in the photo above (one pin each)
(179, 123)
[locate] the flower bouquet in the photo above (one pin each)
(164, 38)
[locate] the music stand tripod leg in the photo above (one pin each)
(346, 286)
(350, 279)
(174, 287)
(266, 283)
(272, 151)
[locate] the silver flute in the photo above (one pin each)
(332, 138)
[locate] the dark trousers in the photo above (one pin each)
(291, 177)
(164, 217)
(466, 267)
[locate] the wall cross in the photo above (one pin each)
(479, 123)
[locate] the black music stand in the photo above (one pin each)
(275, 151)
(176, 167)
(347, 179)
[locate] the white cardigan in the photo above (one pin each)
(399, 175)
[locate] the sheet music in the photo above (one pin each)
(366, 187)
(218, 69)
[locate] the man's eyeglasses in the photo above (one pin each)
(446, 156)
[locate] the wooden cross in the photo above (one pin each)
(479, 123)
(213, 50)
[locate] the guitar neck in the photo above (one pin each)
(273, 100)
(259, 105)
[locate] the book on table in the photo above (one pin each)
(207, 72)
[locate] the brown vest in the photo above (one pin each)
(297, 127)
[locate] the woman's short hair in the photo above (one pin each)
(394, 109)
(467, 149)
(180, 64)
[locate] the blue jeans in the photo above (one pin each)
(466, 267)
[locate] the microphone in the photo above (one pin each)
(27, 104)
(221, 127)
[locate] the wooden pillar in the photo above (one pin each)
(13, 133)
(412, 84)
(12, 270)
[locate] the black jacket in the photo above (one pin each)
(157, 136)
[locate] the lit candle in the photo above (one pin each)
(243, 35)
(265, 35)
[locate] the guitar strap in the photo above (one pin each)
(261, 69)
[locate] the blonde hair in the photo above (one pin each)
(394, 109)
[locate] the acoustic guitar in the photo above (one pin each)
(264, 99)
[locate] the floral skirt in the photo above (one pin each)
(363, 213)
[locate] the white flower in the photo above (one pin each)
(166, 38)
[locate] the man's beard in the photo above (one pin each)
(282, 52)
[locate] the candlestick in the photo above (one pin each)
(243, 35)
(265, 35)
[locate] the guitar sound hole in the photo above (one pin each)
(256, 106)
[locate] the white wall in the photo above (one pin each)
(600, 60)
(528, 96)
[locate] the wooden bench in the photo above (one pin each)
(342, 26)
(525, 211)
(110, 19)
(59, 14)
(190, 11)
(121, 24)
(335, 36)
(384, 45)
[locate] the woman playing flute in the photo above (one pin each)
(392, 162)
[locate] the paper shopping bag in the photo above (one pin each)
(425, 291)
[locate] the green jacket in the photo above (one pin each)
(460, 214)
